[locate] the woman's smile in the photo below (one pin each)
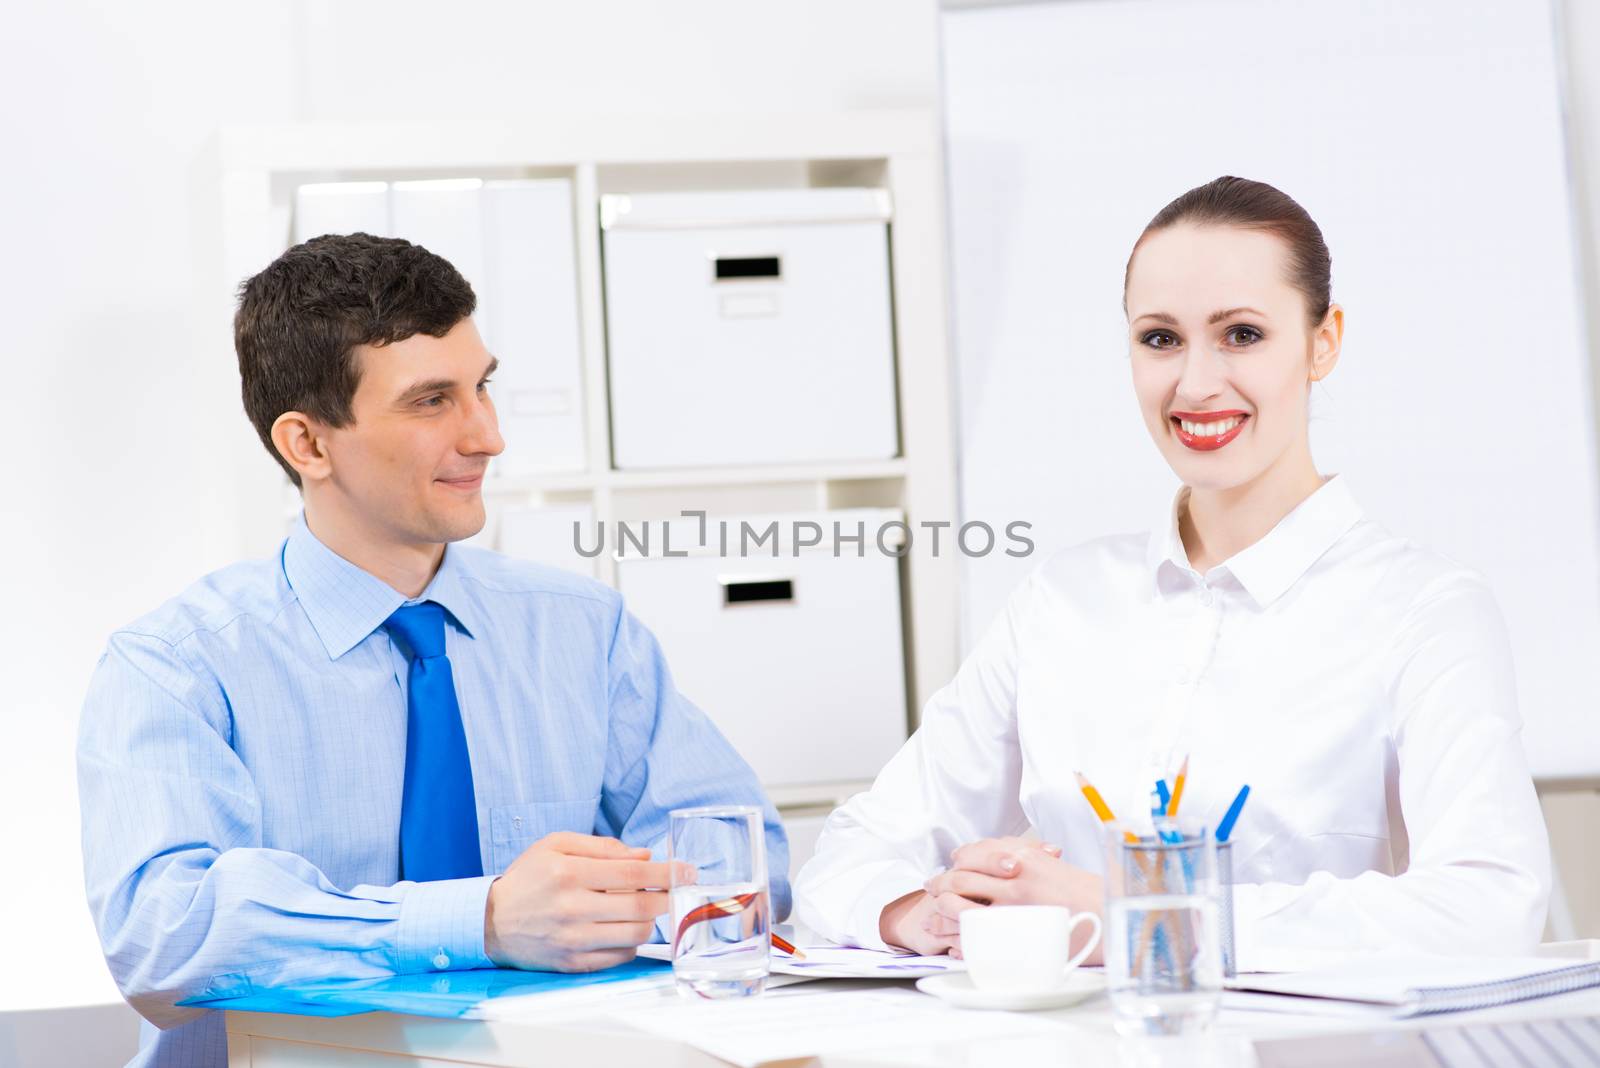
(1208, 431)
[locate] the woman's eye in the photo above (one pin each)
(1243, 335)
(1159, 339)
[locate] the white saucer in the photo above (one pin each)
(958, 989)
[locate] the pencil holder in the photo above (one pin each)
(1225, 907)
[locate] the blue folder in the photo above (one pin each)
(445, 994)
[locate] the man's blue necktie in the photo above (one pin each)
(438, 811)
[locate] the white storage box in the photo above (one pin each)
(797, 659)
(550, 534)
(513, 241)
(749, 328)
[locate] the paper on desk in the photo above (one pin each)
(812, 1020)
(1295, 1005)
(828, 961)
(1388, 979)
(849, 962)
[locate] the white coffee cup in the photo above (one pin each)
(1014, 948)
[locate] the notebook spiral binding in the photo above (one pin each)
(1431, 999)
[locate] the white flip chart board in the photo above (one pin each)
(1425, 138)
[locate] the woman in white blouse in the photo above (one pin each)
(1360, 684)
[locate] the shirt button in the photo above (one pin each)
(1180, 677)
(1206, 598)
(441, 961)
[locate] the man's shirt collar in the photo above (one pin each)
(346, 603)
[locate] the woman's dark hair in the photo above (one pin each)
(1230, 201)
(300, 320)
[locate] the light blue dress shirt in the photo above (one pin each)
(242, 751)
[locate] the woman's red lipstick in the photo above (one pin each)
(1207, 442)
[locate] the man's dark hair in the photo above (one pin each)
(300, 320)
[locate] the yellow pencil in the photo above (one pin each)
(1100, 807)
(1177, 787)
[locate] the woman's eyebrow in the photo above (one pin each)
(1217, 317)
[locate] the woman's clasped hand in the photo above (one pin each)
(990, 871)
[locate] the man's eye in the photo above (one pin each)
(431, 402)
(484, 384)
(1159, 339)
(1243, 335)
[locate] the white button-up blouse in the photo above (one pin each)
(1359, 683)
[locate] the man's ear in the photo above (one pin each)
(1326, 341)
(300, 440)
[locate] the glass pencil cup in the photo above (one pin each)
(1163, 947)
(722, 918)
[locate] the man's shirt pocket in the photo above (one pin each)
(513, 828)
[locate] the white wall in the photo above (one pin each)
(125, 413)
(107, 438)
(1573, 817)
(493, 58)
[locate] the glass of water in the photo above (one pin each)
(722, 919)
(1163, 952)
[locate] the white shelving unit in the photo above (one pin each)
(255, 170)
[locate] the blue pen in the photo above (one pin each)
(1225, 828)
(1167, 831)
(1161, 950)
(1158, 813)
(1161, 792)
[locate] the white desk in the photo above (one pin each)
(386, 1040)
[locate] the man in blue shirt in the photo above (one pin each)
(377, 751)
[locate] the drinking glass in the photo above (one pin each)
(722, 915)
(1163, 951)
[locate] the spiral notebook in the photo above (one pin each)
(1417, 986)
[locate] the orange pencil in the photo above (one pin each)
(1177, 787)
(1100, 807)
